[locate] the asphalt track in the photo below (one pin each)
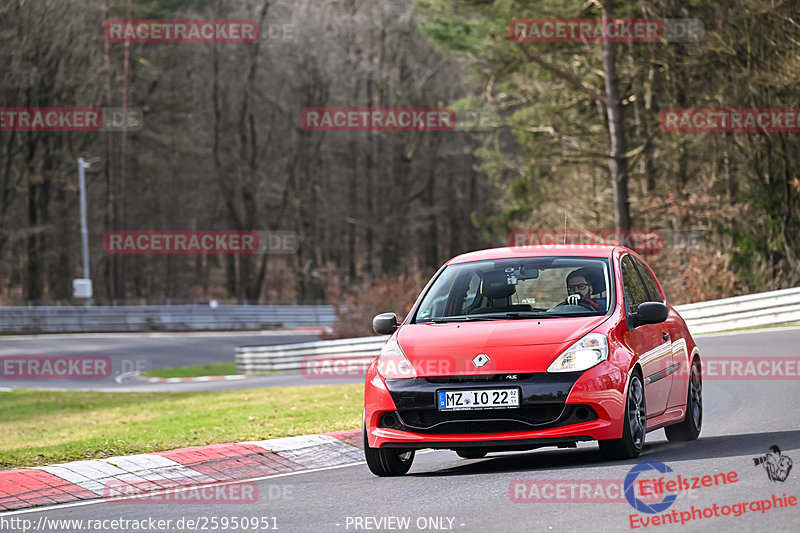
(442, 492)
(129, 352)
(162, 350)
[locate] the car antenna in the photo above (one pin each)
(565, 227)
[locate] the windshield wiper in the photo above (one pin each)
(444, 319)
(516, 315)
(513, 315)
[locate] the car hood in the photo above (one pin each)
(512, 346)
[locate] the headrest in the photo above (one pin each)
(495, 285)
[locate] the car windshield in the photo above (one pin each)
(518, 288)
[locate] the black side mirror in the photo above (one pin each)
(650, 313)
(385, 323)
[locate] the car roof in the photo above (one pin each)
(547, 250)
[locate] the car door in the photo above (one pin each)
(647, 341)
(671, 332)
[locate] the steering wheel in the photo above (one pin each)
(581, 303)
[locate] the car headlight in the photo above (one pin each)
(393, 364)
(584, 354)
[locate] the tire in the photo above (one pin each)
(692, 423)
(471, 453)
(634, 426)
(385, 462)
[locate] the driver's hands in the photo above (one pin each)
(573, 299)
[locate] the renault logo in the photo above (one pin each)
(480, 360)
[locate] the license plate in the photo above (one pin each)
(450, 400)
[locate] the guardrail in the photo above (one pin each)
(255, 359)
(72, 319)
(753, 310)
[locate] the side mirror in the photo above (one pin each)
(650, 313)
(385, 323)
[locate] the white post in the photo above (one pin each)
(82, 288)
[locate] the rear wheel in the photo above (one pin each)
(468, 453)
(633, 428)
(385, 462)
(690, 428)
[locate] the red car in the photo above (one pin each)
(522, 347)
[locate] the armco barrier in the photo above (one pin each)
(255, 359)
(69, 319)
(753, 310)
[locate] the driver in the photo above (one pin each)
(580, 289)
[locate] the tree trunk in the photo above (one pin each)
(617, 161)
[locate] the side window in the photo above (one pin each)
(649, 282)
(635, 293)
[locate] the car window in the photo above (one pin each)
(518, 285)
(649, 282)
(632, 285)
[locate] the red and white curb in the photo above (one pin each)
(84, 480)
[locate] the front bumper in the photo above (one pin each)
(542, 405)
(555, 409)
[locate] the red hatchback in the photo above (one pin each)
(522, 347)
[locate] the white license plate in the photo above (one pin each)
(478, 399)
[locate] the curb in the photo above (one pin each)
(186, 467)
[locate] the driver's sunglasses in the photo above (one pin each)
(578, 287)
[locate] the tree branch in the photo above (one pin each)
(572, 80)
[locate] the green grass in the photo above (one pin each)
(45, 427)
(216, 369)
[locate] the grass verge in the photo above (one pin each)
(216, 369)
(46, 427)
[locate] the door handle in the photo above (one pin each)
(665, 336)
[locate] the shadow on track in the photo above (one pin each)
(669, 452)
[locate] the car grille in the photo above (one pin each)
(527, 418)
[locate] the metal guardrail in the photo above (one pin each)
(72, 319)
(763, 309)
(255, 359)
(752, 310)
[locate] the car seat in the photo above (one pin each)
(495, 287)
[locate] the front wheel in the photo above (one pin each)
(633, 428)
(690, 428)
(386, 462)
